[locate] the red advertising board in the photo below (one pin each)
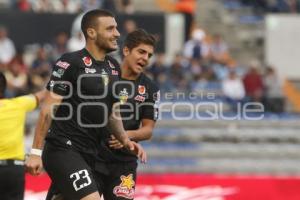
(196, 187)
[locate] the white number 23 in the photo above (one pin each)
(82, 175)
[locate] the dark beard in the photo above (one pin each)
(102, 45)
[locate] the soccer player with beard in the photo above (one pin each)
(80, 96)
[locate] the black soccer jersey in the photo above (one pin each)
(139, 100)
(86, 85)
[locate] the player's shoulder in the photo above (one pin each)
(72, 56)
(69, 59)
(149, 83)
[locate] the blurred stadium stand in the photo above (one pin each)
(235, 147)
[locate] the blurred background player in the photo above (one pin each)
(12, 122)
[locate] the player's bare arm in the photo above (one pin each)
(34, 162)
(115, 125)
(141, 134)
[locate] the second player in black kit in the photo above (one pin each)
(139, 97)
(77, 108)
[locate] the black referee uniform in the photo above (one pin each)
(116, 169)
(73, 138)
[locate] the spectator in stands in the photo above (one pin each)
(158, 67)
(219, 57)
(40, 70)
(178, 76)
(196, 48)
(253, 84)
(199, 83)
(219, 50)
(76, 42)
(195, 68)
(233, 90)
(274, 98)
(16, 78)
(159, 72)
(7, 48)
(59, 45)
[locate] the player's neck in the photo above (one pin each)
(128, 74)
(95, 52)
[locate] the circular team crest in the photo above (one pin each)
(142, 89)
(87, 61)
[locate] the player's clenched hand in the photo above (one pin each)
(114, 143)
(34, 165)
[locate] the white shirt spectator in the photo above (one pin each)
(233, 88)
(7, 50)
(198, 36)
(76, 42)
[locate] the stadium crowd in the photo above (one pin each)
(66, 6)
(204, 65)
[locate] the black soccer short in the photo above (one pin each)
(69, 171)
(116, 181)
(12, 181)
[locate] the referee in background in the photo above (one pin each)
(12, 121)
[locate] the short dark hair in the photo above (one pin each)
(137, 37)
(89, 19)
(2, 84)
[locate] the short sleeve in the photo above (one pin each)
(62, 76)
(151, 105)
(28, 102)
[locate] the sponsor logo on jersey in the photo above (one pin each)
(123, 96)
(87, 61)
(90, 70)
(111, 65)
(142, 89)
(62, 64)
(105, 77)
(58, 73)
(139, 98)
(114, 72)
(126, 188)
